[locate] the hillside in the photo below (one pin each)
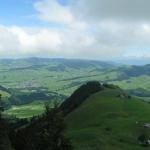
(134, 79)
(57, 75)
(5, 93)
(109, 120)
(65, 75)
(97, 116)
(36, 80)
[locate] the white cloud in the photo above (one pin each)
(52, 11)
(88, 31)
(20, 41)
(107, 41)
(46, 42)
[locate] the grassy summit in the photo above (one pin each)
(109, 120)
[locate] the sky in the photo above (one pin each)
(91, 29)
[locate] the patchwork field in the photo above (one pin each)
(24, 81)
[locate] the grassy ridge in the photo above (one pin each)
(105, 121)
(64, 76)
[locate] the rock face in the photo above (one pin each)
(146, 125)
(80, 95)
(144, 141)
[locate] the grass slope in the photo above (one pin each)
(26, 111)
(107, 122)
(4, 94)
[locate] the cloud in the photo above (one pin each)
(16, 41)
(91, 29)
(107, 41)
(98, 10)
(52, 11)
(93, 10)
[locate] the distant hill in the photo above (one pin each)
(5, 93)
(134, 71)
(50, 73)
(134, 79)
(35, 63)
(4, 89)
(35, 76)
(108, 120)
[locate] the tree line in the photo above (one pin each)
(44, 132)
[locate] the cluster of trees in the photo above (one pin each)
(5, 143)
(45, 132)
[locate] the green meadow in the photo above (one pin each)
(62, 77)
(105, 121)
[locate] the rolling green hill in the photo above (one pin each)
(58, 75)
(109, 120)
(41, 79)
(98, 116)
(134, 79)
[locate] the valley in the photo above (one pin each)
(34, 81)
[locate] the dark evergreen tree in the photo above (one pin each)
(5, 143)
(52, 137)
(44, 133)
(1, 107)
